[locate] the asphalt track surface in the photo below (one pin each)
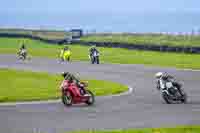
(142, 108)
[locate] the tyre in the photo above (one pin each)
(93, 60)
(166, 97)
(21, 58)
(183, 95)
(97, 59)
(68, 59)
(184, 99)
(29, 58)
(91, 99)
(67, 99)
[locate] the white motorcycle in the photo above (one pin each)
(171, 91)
(22, 55)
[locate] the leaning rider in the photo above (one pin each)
(164, 77)
(72, 79)
(22, 49)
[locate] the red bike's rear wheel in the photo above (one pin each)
(91, 98)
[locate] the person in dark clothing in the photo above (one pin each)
(163, 78)
(22, 51)
(94, 54)
(92, 50)
(23, 46)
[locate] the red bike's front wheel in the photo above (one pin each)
(67, 98)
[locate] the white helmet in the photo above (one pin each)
(158, 74)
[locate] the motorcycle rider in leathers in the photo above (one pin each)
(72, 79)
(162, 78)
(92, 50)
(22, 49)
(65, 54)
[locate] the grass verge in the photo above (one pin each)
(186, 129)
(27, 86)
(108, 55)
(147, 39)
(132, 38)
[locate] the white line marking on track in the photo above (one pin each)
(130, 90)
(192, 70)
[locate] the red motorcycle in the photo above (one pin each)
(73, 94)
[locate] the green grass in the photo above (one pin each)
(186, 129)
(27, 86)
(132, 38)
(108, 55)
(153, 39)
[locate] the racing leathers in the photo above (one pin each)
(65, 54)
(161, 83)
(73, 79)
(92, 50)
(22, 51)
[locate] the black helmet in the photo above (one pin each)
(94, 46)
(66, 48)
(64, 74)
(23, 46)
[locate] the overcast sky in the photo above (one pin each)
(56, 6)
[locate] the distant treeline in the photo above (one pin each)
(51, 41)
